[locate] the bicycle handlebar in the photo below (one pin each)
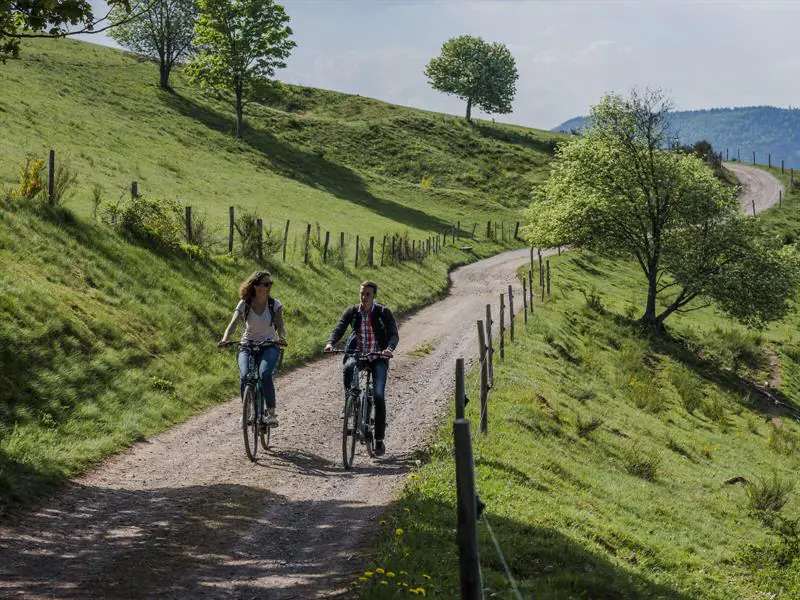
(256, 344)
(358, 356)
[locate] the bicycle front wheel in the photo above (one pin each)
(349, 431)
(368, 406)
(250, 423)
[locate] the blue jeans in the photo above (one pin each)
(266, 366)
(380, 370)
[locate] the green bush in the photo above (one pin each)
(641, 462)
(156, 222)
(688, 386)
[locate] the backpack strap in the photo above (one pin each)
(270, 304)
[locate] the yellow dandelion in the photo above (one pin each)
(379, 571)
(426, 576)
(389, 574)
(398, 531)
(362, 578)
(368, 573)
(384, 582)
(403, 572)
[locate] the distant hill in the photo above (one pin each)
(761, 129)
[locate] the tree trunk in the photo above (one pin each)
(469, 110)
(239, 120)
(164, 70)
(649, 317)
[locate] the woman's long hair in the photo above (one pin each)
(246, 290)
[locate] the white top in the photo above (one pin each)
(257, 327)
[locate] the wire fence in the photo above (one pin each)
(470, 508)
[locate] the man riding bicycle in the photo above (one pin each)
(374, 331)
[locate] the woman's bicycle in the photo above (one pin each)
(358, 422)
(253, 409)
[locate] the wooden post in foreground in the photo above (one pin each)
(357, 240)
(524, 301)
(459, 388)
(325, 249)
(489, 345)
(511, 313)
(307, 243)
(548, 276)
(484, 358)
(230, 229)
(467, 509)
(530, 287)
(189, 224)
(285, 239)
(502, 327)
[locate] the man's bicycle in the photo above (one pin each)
(253, 408)
(358, 422)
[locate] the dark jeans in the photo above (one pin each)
(380, 370)
(266, 366)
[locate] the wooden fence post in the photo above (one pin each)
(792, 172)
(134, 189)
(780, 198)
(189, 224)
(285, 239)
(502, 327)
(769, 160)
(259, 227)
(781, 166)
(516, 231)
(474, 226)
(489, 345)
(466, 518)
(488, 230)
(341, 248)
(524, 301)
(370, 261)
(51, 177)
(459, 388)
(383, 249)
(548, 276)
(307, 242)
(231, 222)
(394, 250)
(510, 313)
(325, 250)
(483, 357)
(457, 231)
(530, 288)
(754, 207)
(357, 240)
(754, 158)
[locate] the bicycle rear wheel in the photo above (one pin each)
(349, 431)
(250, 423)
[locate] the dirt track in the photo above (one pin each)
(187, 515)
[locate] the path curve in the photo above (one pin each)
(187, 515)
(758, 187)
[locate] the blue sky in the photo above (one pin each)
(569, 52)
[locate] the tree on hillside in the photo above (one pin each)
(164, 30)
(616, 191)
(480, 73)
(238, 44)
(47, 18)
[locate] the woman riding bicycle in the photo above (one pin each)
(263, 322)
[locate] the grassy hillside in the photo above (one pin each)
(345, 161)
(761, 129)
(104, 341)
(613, 463)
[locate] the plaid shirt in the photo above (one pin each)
(366, 338)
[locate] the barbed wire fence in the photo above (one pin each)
(470, 508)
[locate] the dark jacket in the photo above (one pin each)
(383, 325)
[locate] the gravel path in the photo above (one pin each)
(188, 515)
(758, 187)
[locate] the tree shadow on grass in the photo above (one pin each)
(516, 137)
(307, 168)
(214, 541)
(544, 562)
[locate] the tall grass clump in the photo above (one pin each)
(768, 495)
(688, 386)
(641, 462)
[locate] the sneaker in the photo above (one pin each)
(271, 421)
(380, 449)
(341, 414)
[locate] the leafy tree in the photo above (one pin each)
(164, 30)
(46, 18)
(616, 191)
(239, 43)
(480, 73)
